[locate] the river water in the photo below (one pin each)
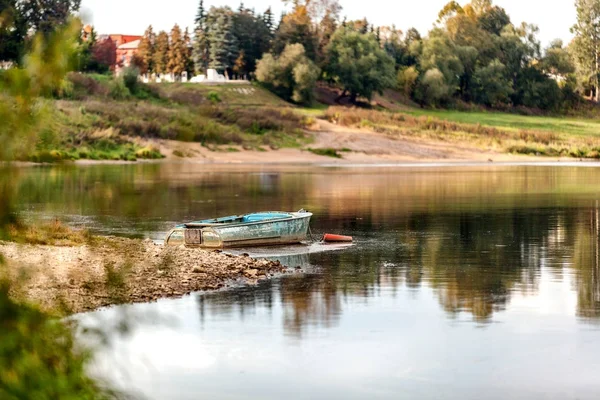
(464, 282)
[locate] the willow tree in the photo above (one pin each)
(358, 64)
(586, 45)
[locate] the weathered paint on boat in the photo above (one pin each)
(258, 229)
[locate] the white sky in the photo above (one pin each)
(133, 16)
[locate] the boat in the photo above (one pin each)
(256, 229)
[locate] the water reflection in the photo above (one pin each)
(477, 236)
(479, 282)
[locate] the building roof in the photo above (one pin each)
(130, 46)
(122, 39)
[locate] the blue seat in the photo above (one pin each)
(258, 217)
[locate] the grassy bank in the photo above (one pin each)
(514, 122)
(100, 118)
(501, 132)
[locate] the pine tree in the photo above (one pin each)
(223, 45)
(253, 39)
(189, 61)
(176, 64)
(161, 55)
(586, 44)
(146, 51)
(269, 20)
(200, 45)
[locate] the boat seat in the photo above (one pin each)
(264, 217)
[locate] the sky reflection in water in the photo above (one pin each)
(475, 282)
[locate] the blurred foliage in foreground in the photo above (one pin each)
(39, 358)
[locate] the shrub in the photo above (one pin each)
(148, 153)
(118, 90)
(433, 89)
(407, 80)
(327, 152)
(131, 79)
(85, 85)
(214, 97)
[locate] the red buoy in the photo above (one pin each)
(330, 238)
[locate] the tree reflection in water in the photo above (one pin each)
(475, 236)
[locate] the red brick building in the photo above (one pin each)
(126, 51)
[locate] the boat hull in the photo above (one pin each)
(263, 233)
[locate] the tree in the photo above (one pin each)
(177, 59)
(189, 60)
(358, 65)
(161, 55)
(491, 87)
(433, 89)
(493, 20)
(223, 50)
(393, 45)
(412, 43)
(104, 55)
(557, 60)
(439, 52)
(292, 75)
(13, 30)
(86, 42)
(326, 29)
(146, 51)
(46, 15)
(269, 20)
(296, 27)
(586, 45)
(200, 44)
(252, 36)
(407, 80)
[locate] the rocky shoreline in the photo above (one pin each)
(110, 271)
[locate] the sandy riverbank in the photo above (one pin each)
(112, 271)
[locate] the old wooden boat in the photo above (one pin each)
(257, 229)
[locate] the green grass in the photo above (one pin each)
(231, 94)
(90, 120)
(514, 122)
(327, 152)
(537, 136)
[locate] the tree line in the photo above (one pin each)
(474, 53)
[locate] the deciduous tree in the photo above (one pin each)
(104, 55)
(292, 75)
(46, 15)
(358, 65)
(296, 27)
(13, 30)
(586, 45)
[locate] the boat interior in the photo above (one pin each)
(240, 219)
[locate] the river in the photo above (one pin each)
(464, 282)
